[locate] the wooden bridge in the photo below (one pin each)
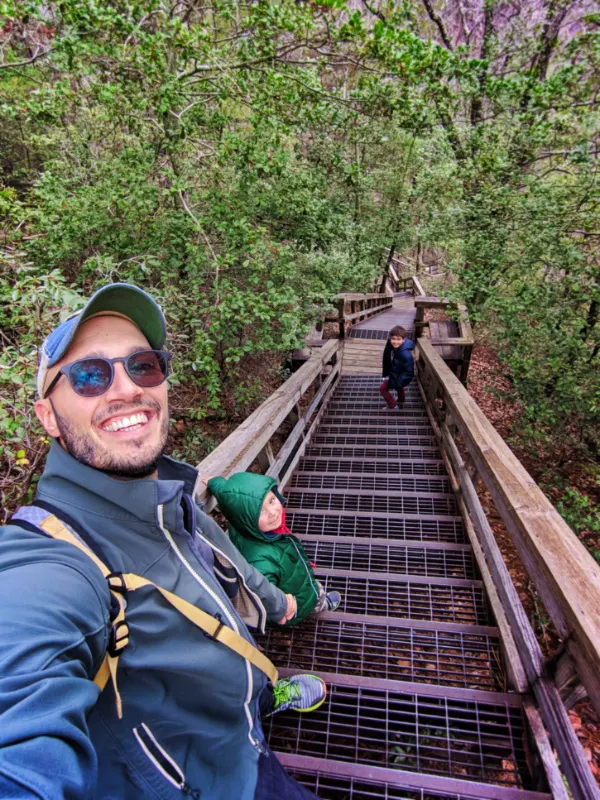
(437, 686)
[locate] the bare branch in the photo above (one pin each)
(15, 64)
(439, 23)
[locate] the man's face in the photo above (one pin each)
(121, 432)
(396, 341)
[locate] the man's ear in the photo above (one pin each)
(46, 416)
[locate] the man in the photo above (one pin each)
(181, 716)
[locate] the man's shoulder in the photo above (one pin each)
(22, 550)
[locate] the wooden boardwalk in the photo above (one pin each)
(363, 349)
(418, 707)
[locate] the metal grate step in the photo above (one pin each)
(394, 440)
(389, 433)
(358, 445)
(369, 503)
(453, 561)
(365, 408)
(436, 600)
(384, 424)
(350, 524)
(340, 451)
(410, 653)
(438, 484)
(375, 466)
(340, 781)
(412, 730)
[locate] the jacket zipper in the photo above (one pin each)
(162, 761)
(255, 742)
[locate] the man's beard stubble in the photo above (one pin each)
(85, 450)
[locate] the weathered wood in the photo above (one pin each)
(265, 457)
(516, 672)
(354, 296)
(341, 318)
(241, 447)
(450, 341)
(431, 302)
(565, 574)
(581, 780)
(567, 680)
(277, 464)
(313, 427)
(418, 289)
(536, 726)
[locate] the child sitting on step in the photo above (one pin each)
(256, 516)
(398, 367)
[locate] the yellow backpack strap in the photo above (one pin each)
(120, 630)
(119, 583)
(216, 629)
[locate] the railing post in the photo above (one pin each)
(419, 318)
(341, 320)
(265, 458)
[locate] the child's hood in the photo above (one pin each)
(240, 498)
(407, 344)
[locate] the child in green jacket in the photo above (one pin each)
(254, 510)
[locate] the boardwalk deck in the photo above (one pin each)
(418, 707)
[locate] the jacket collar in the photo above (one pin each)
(68, 481)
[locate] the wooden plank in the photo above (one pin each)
(555, 780)
(418, 287)
(565, 574)
(431, 302)
(314, 425)
(581, 780)
(241, 447)
(277, 464)
(516, 672)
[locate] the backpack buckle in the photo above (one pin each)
(119, 638)
(116, 582)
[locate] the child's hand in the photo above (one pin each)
(207, 479)
(292, 608)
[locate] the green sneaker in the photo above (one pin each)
(299, 693)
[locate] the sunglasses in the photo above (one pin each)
(91, 377)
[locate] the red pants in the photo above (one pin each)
(389, 398)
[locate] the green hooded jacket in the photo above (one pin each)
(280, 557)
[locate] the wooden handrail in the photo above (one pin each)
(251, 439)
(564, 573)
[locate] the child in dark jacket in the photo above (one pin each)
(398, 367)
(256, 516)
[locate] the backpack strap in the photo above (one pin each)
(119, 637)
(119, 583)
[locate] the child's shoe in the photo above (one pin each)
(299, 693)
(334, 600)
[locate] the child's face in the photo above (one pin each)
(270, 514)
(396, 341)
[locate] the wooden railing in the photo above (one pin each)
(252, 440)
(362, 306)
(565, 575)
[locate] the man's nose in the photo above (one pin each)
(122, 387)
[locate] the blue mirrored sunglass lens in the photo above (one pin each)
(90, 377)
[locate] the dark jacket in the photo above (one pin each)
(188, 700)
(398, 365)
(280, 558)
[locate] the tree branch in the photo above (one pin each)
(438, 22)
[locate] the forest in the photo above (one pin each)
(246, 161)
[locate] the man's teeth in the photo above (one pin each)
(126, 423)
